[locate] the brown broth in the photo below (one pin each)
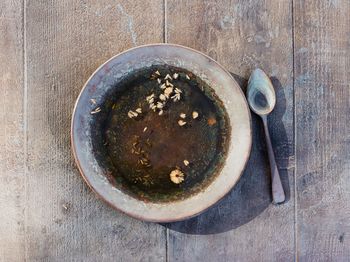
(164, 144)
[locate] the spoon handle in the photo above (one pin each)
(277, 188)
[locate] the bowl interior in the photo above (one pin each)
(141, 152)
(93, 163)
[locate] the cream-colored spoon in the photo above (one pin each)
(262, 99)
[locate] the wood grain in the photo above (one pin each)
(49, 48)
(322, 91)
(12, 180)
(242, 35)
(66, 42)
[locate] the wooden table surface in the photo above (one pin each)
(49, 48)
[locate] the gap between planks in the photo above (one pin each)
(295, 139)
(165, 40)
(25, 122)
(165, 20)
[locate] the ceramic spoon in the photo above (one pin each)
(262, 99)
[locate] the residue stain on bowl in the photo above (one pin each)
(166, 134)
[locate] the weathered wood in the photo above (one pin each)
(47, 212)
(66, 42)
(242, 35)
(12, 180)
(322, 93)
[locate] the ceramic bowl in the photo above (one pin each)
(93, 167)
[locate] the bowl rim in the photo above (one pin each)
(140, 217)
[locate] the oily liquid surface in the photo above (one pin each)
(145, 149)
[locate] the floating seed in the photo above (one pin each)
(176, 176)
(163, 86)
(167, 77)
(162, 97)
(159, 105)
(160, 112)
(176, 97)
(139, 110)
(183, 115)
(148, 142)
(157, 72)
(181, 122)
(175, 75)
(159, 81)
(188, 77)
(97, 110)
(178, 91)
(148, 98)
(132, 114)
(195, 114)
(145, 129)
(144, 161)
(93, 101)
(167, 83)
(168, 91)
(186, 163)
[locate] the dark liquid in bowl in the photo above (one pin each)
(144, 150)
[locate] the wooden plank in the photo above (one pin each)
(242, 35)
(12, 180)
(322, 92)
(66, 42)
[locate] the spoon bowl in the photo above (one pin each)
(261, 94)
